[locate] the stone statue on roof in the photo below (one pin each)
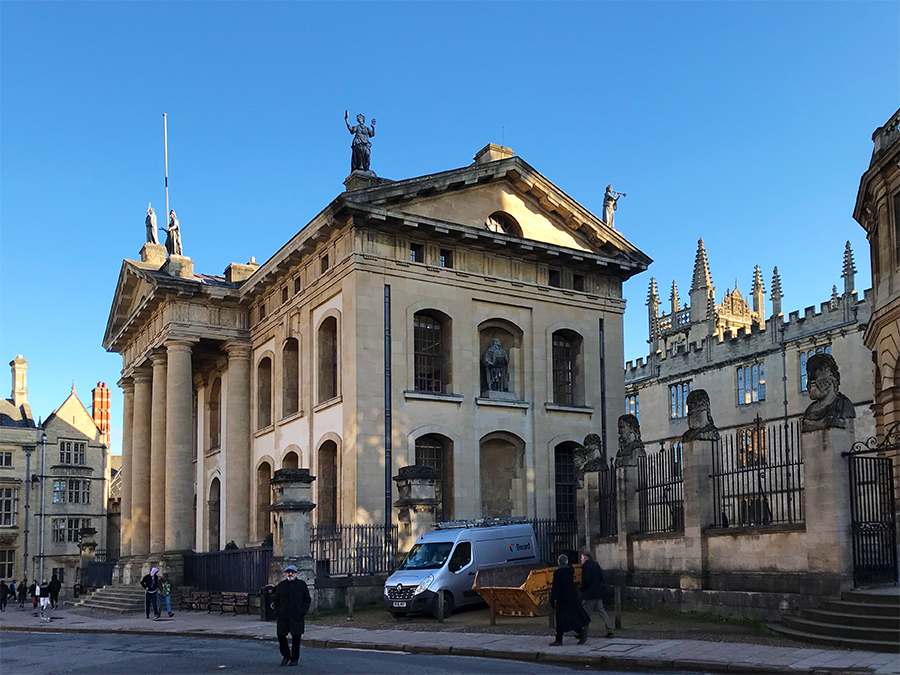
(173, 235)
(610, 202)
(361, 146)
(150, 222)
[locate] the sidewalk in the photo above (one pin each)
(613, 653)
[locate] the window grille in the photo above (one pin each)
(428, 354)
(430, 453)
(9, 506)
(804, 357)
(563, 371)
(678, 394)
(751, 382)
(565, 483)
(6, 458)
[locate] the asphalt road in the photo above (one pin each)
(54, 654)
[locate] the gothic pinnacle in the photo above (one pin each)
(776, 285)
(653, 293)
(757, 280)
(702, 278)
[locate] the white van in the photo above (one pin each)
(447, 559)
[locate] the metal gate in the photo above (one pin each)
(872, 510)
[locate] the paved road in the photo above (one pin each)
(56, 654)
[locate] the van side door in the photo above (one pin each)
(462, 569)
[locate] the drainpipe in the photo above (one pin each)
(387, 413)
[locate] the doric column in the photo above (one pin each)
(179, 439)
(158, 454)
(140, 464)
(127, 385)
(237, 444)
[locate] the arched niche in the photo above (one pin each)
(511, 340)
(503, 477)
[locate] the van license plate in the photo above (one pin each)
(399, 604)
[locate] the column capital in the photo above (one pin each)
(158, 357)
(238, 350)
(126, 384)
(180, 344)
(142, 375)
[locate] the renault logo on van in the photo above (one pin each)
(519, 547)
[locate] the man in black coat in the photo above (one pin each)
(570, 614)
(592, 590)
(55, 587)
(292, 602)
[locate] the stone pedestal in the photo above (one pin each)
(291, 537)
(629, 519)
(359, 180)
(499, 395)
(416, 504)
(154, 254)
(179, 266)
(698, 511)
(827, 508)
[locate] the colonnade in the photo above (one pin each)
(157, 453)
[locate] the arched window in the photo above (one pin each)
(214, 409)
(567, 368)
(213, 510)
(431, 352)
(327, 502)
(437, 452)
(564, 456)
(500, 221)
(263, 499)
(264, 393)
(290, 381)
(328, 359)
(290, 461)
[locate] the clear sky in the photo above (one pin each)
(745, 123)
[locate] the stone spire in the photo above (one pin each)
(849, 270)
(702, 278)
(776, 293)
(703, 305)
(673, 297)
(759, 302)
(653, 314)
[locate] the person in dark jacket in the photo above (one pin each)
(292, 602)
(592, 590)
(55, 586)
(150, 584)
(570, 614)
(23, 591)
(33, 591)
(4, 592)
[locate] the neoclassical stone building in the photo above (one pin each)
(359, 348)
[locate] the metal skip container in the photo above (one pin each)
(523, 590)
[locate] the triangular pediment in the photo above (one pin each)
(134, 288)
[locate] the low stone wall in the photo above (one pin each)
(332, 593)
(744, 604)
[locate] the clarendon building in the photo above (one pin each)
(358, 348)
(753, 366)
(53, 484)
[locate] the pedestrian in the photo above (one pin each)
(23, 591)
(4, 592)
(150, 583)
(33, 590)
(44, 593)
(165, 594)
(570, 614)
(292, 602)
(55, 586)
(592, 590)
(12, 591)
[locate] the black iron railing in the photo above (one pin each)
(340, 550)
(609, 509)
(660, 492)
(555, 537)
(239, 570)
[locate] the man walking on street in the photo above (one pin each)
(292, 602)
(150, 584)
(592, 590)
(55, 586)
(570, 614)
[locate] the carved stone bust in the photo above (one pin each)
(589, 457)
(700, 422)
(829, 407)
(631, 447)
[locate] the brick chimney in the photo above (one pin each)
(100, 408)
(19, 381)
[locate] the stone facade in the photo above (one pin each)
(67, 459)
(735, 354)
(283, 365)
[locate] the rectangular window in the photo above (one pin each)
(6, 457)
(555, 279)
(563, 371)
(416, 253)
(65, 452)
(284, 295)
(298, 285)
(7, 563)
(262, 310)
(85, 492)
(804, 357)
(446, 258)
(73, 530)
(678, 394)
(578, 282)
(324, 263)
(897, 229)
(565, 483)
(751, 383)
(78, 452)
(751, 447)
(428, 354)
(59, 492)
(9, 506)
(633, 406)
(58, 527)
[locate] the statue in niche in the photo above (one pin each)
(150, 222)
(173, 235)
(700, 422)
(631, 447)
(361, 146)
(589, 456)
(610, 203)
(496, 367)
(829, 407)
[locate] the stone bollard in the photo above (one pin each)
(291, 537)
(416, 504)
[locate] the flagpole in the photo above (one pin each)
(166, 149)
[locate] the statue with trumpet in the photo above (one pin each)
(610, 201)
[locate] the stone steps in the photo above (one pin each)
(115, 599)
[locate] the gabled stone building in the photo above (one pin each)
(358, 348)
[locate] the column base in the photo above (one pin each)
(130, 570)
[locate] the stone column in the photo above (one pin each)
(628, 513)
(179, 464)
(698, 511)
(291, 538)
(140, 464)
(238, 471)
(127, 385)
(417, 503)
(827, 509)
(158, 454)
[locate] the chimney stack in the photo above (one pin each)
(20, 384)
(100, 409)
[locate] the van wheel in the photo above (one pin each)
(448, 605)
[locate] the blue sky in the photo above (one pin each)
(745, 123)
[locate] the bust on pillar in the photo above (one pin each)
(416, 504)
(291, 506)
(828, 430)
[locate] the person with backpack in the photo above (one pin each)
(165, 594)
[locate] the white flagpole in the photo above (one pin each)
(166, 147)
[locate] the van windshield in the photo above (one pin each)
(427, 556)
